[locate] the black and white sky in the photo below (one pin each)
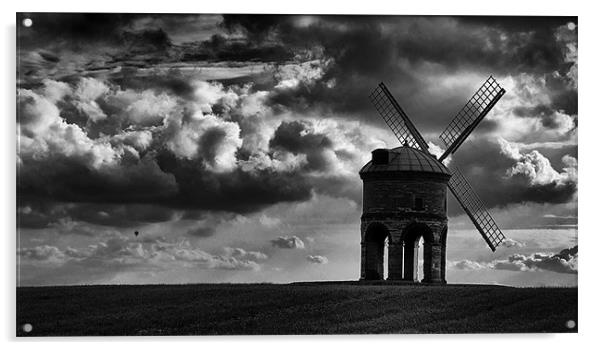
(232, 143)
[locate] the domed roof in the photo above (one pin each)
(406, 159)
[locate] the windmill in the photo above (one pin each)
(414, 177)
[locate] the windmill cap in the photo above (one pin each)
(403, 159)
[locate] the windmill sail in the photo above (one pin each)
(473, 206)
(471, 115)
(461, 126)
(396, 118)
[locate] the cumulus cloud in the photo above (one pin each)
(206, 137)
(241, 253)
(286, 242)
(44, 253)
(317, 259)
(218, 148)
(564, 262)
(144, 108)
(252, 130)
(119, 254)
(466, 265)
(44, 133)
(512, 243)
(488, 169)
(537, 168)
(232, 259)
(291, 75)
(536, 108)
(256, 112)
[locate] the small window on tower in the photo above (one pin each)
(418, 204)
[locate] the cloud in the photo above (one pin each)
(42, 253)
(286, 242)
(466, 265)
(44, 133)
(535, 178)
(564, 262)
(263, 132)
(241, 253)
(201, 231)
(144, 108)
(220, 148)
(167, 121)
(106, 259)
(537, 168)
(317, 259)
(511, 243)
(291, 75)
(205, 137)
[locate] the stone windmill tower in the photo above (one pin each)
(405, 196)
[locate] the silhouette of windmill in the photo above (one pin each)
(404, 191)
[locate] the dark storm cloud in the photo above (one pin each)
(295, 138)
(366, 52)
(292, 137)
(349, 55)
(403, 51)
(545, 113)
(236, 191)
(28, 217)
(73, 26)
(178, 184)
(482, 159)
(34, 213)
(172, 82)
(127, 157)
(221, 48)
(68, 180)
(120, 215)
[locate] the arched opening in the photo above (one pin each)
(375, 241)
(420, 257)
(417, 244)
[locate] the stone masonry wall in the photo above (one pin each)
(391, 202)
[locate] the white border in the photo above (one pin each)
(589, 162)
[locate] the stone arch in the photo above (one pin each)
(411, 237)
(374, 250)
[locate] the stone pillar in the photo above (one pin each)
(373, 260)
(395, 261)
(363, 262)
(443, 254)
(410, 261)
(443, 264)
(434, 265)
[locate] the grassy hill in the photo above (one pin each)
(304, 308)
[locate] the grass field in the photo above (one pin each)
(311, 308)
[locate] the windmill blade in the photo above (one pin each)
(473, 206)
(396, 118)
(471, 115)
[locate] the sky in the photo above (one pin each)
(232, 143)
